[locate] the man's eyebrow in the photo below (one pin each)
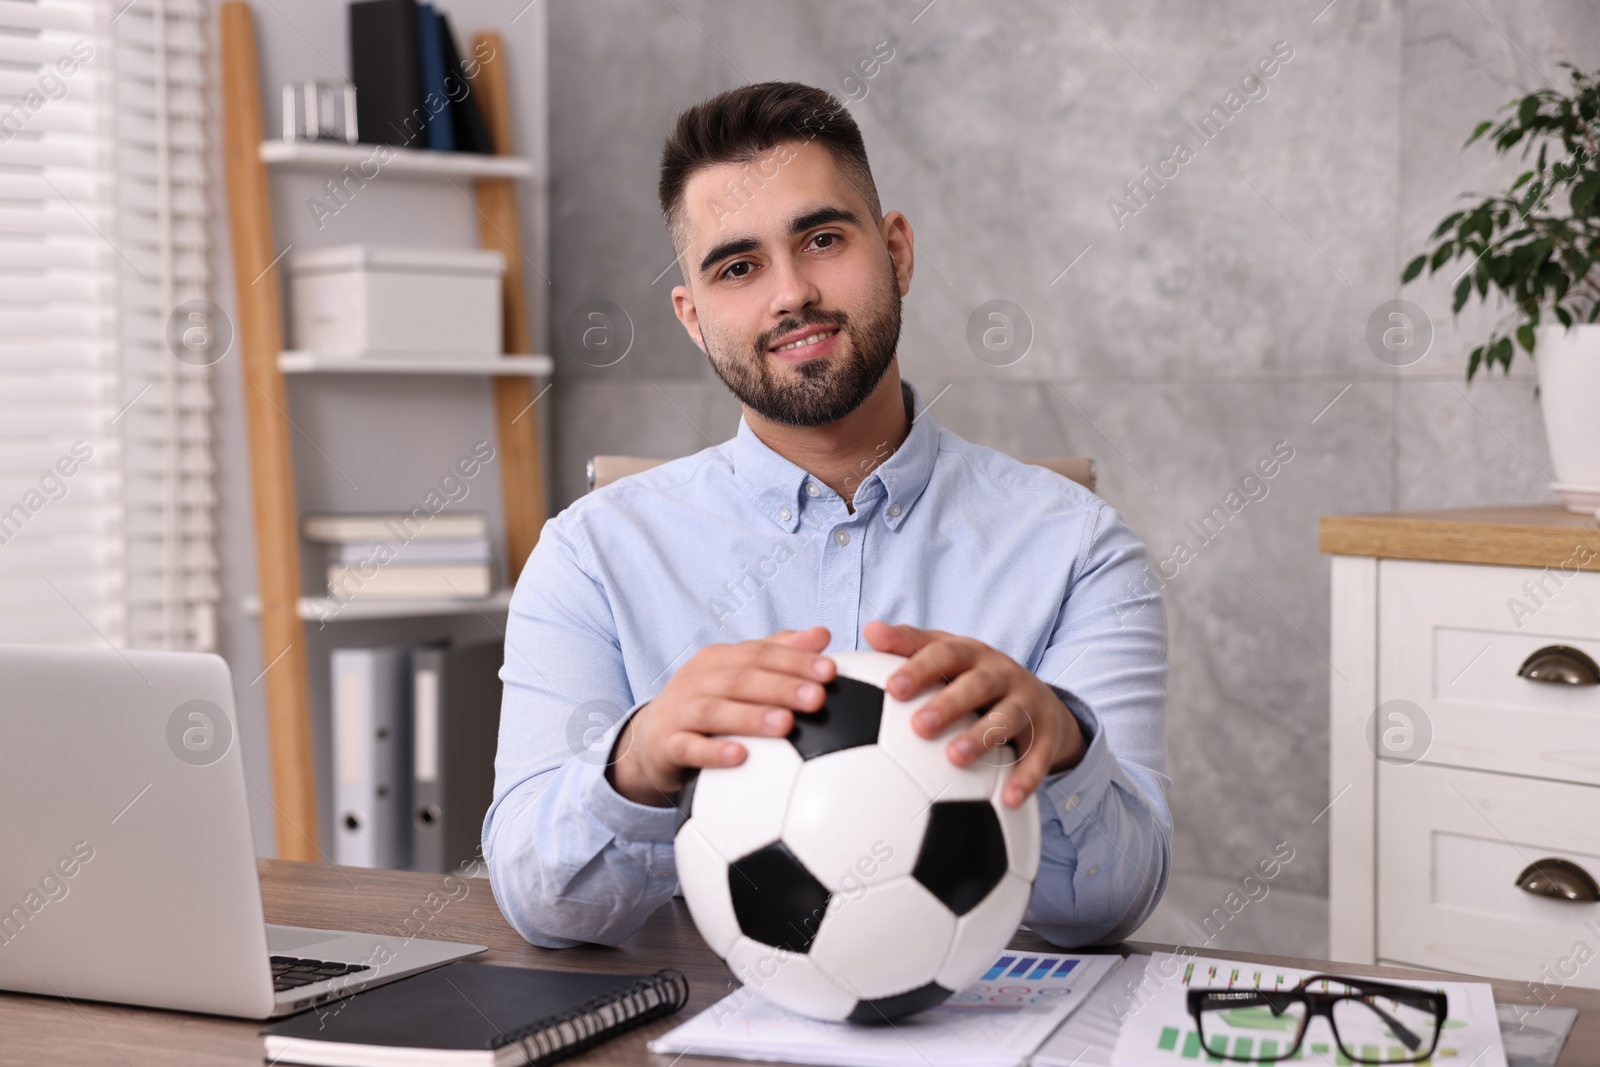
(821, 217)
(799, 224)
(735, 247)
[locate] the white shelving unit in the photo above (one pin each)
(299, 362)
(320, 608)
(331, 155)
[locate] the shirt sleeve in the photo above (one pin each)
(570, 860)
(1106, 840)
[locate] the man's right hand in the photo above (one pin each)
(750, 689)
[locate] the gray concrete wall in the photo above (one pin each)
(1226, 315)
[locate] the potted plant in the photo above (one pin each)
(1535, 245)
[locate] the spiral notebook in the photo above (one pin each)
(475, 1013)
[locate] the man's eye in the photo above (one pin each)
(736, 270)
(825, 240)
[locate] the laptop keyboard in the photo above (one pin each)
(292, 972)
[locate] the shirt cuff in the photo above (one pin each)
(627, 820)
(1073, 794)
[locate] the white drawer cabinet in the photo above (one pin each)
(1452, 845)
(1464, 816)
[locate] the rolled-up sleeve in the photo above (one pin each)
(570, 860)
(1106, 826)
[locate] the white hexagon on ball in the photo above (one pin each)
(739, 809)
(846, 855)
(851, 946)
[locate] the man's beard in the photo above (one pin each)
(829, 387)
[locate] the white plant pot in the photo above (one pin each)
(1568, 362)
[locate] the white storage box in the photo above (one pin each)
(360, 300)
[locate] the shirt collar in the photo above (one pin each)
(778, 487)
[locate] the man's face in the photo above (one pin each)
(794, 292)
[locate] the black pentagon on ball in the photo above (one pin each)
(776, 900)
(963, 854)
(685, 804)
(849, 717)
(887, 1009)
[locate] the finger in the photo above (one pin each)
(755, 686)
(974, 691)
(941, 660)
(884, 637)
(814, 639)
(1007, 721)
(1027, 775)
(742, 719)
(685, 749)
(782, 659)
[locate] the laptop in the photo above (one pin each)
(127, 872)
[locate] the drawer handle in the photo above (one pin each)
(1561, 879)
(1560, 665)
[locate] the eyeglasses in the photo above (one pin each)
(1372, 1022)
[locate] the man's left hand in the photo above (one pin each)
(1012, 703)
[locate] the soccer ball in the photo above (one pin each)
(850, 871)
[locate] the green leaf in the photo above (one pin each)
(1446, 224)
(1566, 319)
(1583, 194)
(1525, 337)
(1413, 268)
(1473, 361)
(1500, 352)
(1441, 256)
(1522, 179)
(1478, 131)
(1528, 109)
(1463, 290)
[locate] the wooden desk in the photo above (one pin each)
(42, 1030)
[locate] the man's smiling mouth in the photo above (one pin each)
(807, 341)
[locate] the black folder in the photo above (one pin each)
(386, 68)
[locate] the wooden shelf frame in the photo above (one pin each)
(260, 332)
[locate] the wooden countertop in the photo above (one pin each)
(45, 1030)
(1540, 536)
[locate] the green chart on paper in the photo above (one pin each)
(1185, 1042)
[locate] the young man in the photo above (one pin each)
(698, 600)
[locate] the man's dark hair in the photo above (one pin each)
(740, 124)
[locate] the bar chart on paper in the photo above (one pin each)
(1161, 1030)
(1017, 983)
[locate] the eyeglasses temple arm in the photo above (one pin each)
(1401, 1030)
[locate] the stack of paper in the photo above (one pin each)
(1090, 1033)
(998, 1021)
(403, 555)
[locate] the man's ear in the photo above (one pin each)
(688, 314)
(897, 235)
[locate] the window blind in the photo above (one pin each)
(107, 498)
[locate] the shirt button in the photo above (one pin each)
(1071, 803)
(894, 509)
(842, 536)
(812, 490)
(1092, 871)
(785, 514)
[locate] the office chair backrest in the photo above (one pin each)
(603, 470)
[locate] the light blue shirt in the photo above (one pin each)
(735, 543)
